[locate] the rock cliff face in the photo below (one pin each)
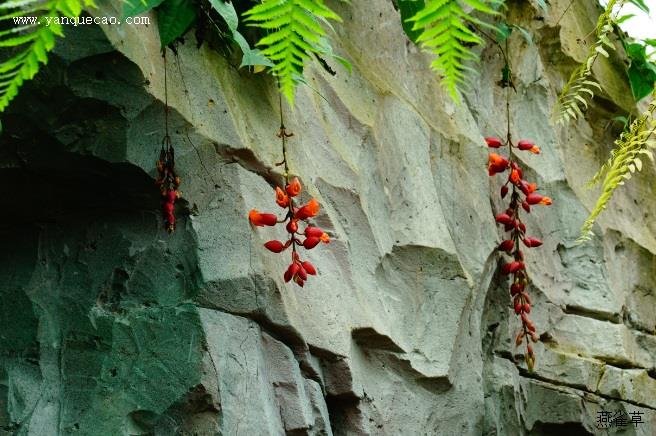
(109, 326)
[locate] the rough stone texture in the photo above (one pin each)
(109, 326)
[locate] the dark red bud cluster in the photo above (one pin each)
(523, 196)
(168, 182)
(309, 238)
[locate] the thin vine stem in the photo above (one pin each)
(282, 133)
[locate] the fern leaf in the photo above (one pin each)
(32, 42)
(567, 107)
(624, 160)
(444, 30)
(294, 35)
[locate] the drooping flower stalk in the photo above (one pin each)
(307, 237)
(168, 180)
(523, 196)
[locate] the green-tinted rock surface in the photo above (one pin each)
(109, 326)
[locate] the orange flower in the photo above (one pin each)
(294, 188)
(496, 164)
(308, 211)
(262, 219)
(325, 238)
(538, 199)
(514, 177)
(281, 198)
(535, 149)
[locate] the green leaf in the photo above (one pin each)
(293, 35)
(446, 31)
(227, 12)
(641, 4)
(132, 8)
(250, 57)
(642, 78)
(175, 17)
(624, 18)
(503, 32)
(408, 9)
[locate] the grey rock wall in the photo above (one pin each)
(109, 326)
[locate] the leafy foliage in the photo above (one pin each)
(642, 72)
(445, 31)
(251, 57)
(294, 34)
(174, 17)
(408, 9)
(580, 85)
(32, 42)
(624, 161)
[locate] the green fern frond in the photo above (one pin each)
(573, 99)
(445, 31)
(632, 144)
(294, 34)
(32, 41)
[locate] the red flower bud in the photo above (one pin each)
(312, 231)
(311, 242)
(527, 308)
(526, 207)
(168, 207)
(512, 267)
(516, 288)
(518, 307)
(262, 219)
(504, 191)
(534, 198)
(292, 226)
(503, 218)
(299, 281)
(302, 273)
(528, 145)
(493, 142)
(171, 196)
(275, 246)
(532, 242)
(309, 268)
(525, 144)
(522, 227)
(507, 245)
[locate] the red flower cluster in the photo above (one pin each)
(523, 195)
(168, 182)
(298, 270)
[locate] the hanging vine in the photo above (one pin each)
(573, 99)
(523, 196)
(168, 180)
(308, 237)
(625, 160)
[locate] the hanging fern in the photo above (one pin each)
(580, 86)
(445, 31)
(624, 161)
(32, 41)
(294, 35)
